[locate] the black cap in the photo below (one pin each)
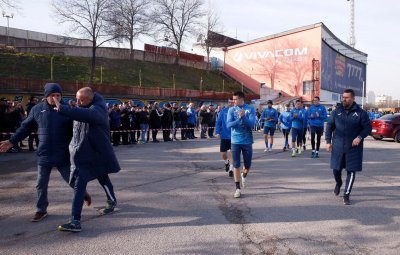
(269, 102)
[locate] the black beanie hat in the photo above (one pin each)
(51, 88)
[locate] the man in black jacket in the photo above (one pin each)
(92, 156)
(155, 121)
(346, 129)
(166, 123)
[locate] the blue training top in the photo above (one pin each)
(313, 119)
(241, 128)
(297, 116)
(272, 114)
(221, 126)
(286, 121)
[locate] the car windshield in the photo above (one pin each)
(389, 116)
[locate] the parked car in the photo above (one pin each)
(387, 126)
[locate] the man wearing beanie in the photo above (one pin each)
(55, 132)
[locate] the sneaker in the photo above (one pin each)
(244, 182)
(227, 167)
(316, 155)
(87, 200)
(312, 154)
(304, 147)
(237, 194)
(230, 173)
(293, 154)
(109, 207)
(336, 191)
(299, 151)
(284, 148)
(39, 216)
(72, 226)
(346, 199)
(266, 150)
(270, 149)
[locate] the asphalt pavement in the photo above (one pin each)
(176, 198)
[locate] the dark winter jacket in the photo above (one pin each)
(167, 118)
(155, 120)
(143, 117)
(342, 128)
(55, 132)
(92, 155)
(204, 117)
(115, 119)
(184, 118)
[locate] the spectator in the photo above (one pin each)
(155, 121)
(115, 124)
(212, 121)
(32, 137)
(166, 123)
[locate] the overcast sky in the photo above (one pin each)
(377, 27)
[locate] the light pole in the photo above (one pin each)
(8, 16)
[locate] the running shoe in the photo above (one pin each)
(230, 173)
(109, 207)
(237, 194)
(227, 167)
(72, 226)
(39, 216)
(346, 199)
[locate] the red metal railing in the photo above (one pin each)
(15, 85)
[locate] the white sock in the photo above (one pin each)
(313, 151)
(231, 168)
(226, 161)
(316, 152)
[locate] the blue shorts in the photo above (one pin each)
(225, 145)
(297, 133)
(317, 130)
(246, 150)
(269, 130)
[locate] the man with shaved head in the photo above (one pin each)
(92, 156)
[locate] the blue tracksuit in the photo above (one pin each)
(313, 120)
(285, 119)
(272, 114)
(241, 128)
(221, 126)
(297, 121)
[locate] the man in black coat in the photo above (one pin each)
(166, 123)
(155, 121)
(92, 156)
(55, 132)
(346, 129)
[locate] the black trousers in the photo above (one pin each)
(349, 180)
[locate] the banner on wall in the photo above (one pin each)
(339, 72)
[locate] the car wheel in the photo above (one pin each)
(378, 138)
(397, 137)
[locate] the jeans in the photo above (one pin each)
(80, 190)
(144, 128)
(43, 183)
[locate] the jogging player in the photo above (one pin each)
(285, 123)
(316, 116)
(297, 117)
(224, 133)
(270, 116)
(241, 120)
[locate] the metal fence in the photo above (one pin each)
(20, 85)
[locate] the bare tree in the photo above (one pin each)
(211, 28)
(176, 19)
(88, 18)
(129, 19)
(12, 4)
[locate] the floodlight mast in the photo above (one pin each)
(352, 37)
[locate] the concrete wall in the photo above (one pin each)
(20, 35)
(112, 53)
